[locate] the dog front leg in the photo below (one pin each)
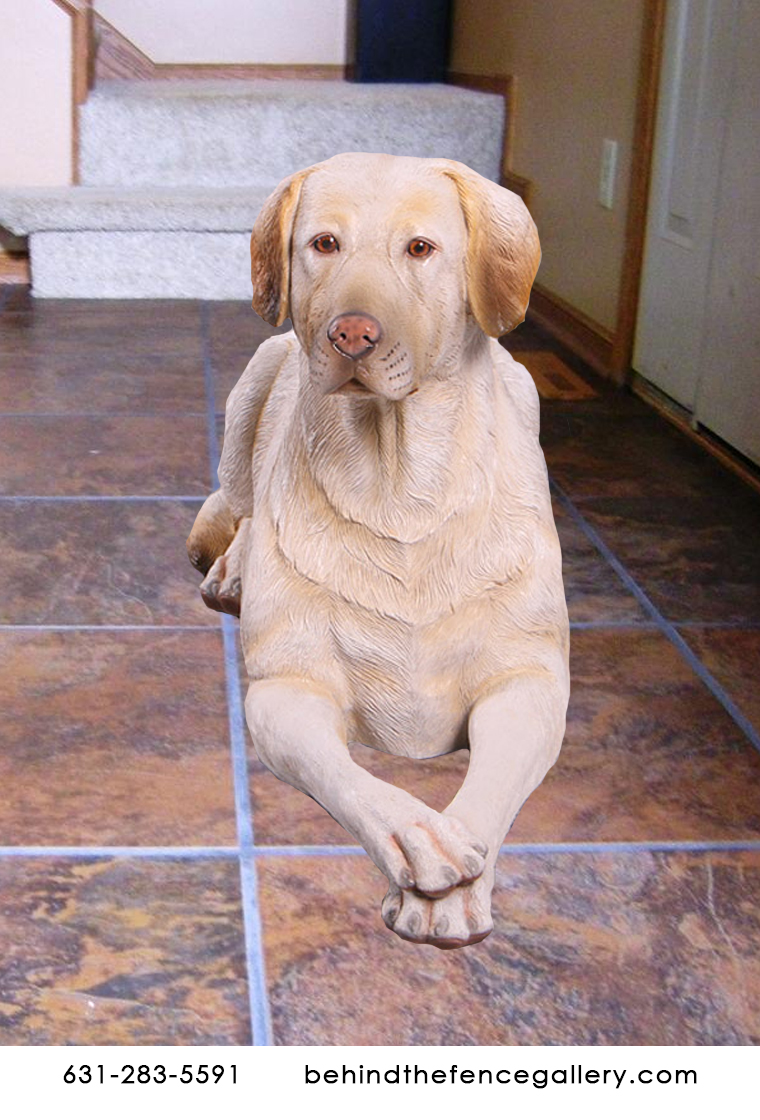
(299, 734)
(515, 735)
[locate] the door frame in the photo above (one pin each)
(650, 67)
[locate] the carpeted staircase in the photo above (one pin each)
(173, 174)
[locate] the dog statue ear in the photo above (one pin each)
(270, 250)
(503, 251)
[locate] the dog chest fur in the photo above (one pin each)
(373, 583)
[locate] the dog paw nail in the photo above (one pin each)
(450, 875)
(406, 879)
(414, 923)
(471, 865)
(481, 848)
(441, 926)
(390, 916)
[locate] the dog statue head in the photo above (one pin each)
(385, 264)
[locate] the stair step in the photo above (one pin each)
(233, 132)
(34, 209)
(174, 173)
(144, 242)
(141, 264)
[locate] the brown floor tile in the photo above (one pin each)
(219, 428)
(626, 949)
(106, 456)
(733, 657)
(45, 379)
(234, 341)
(114, 738)
(15, 297)
(99, 562)
(284, 815)
(234, 323)
(71, 326)
(229, 367)
(696, 558)
(649, 754)
(629, 453)
(121, 953)
(592, 589)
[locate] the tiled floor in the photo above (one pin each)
(157, 885)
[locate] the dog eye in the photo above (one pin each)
(419, 248)
(325, 243)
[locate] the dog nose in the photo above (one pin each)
(354, 334)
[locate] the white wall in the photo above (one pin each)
(260, 31)
(35, 94)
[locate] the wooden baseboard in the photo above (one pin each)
(592, 342)
(680, 417)
(14, 268)
(118, 57)
(519, 185)
(248, 71)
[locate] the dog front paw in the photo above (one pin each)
(462, 917)
(440, 853)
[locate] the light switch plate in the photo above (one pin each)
(607, 173)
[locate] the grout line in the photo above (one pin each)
(258, 996)
(623, 846)
(102, 498)
(537, 847)
(118, 852)
(300, 851)
(712, 625)
(667, 628)
(612, 624)
(35, 628)
(648, 624)
(237, 737)
(106, 415)
(257, 987)
(212, 627)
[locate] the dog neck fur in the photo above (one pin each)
(400, 467)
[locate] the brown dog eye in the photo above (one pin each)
(419, 248)
(325, 243)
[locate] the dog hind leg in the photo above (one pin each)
(222, 588)
(212, 532)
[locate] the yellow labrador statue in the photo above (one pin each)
(384, 527)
